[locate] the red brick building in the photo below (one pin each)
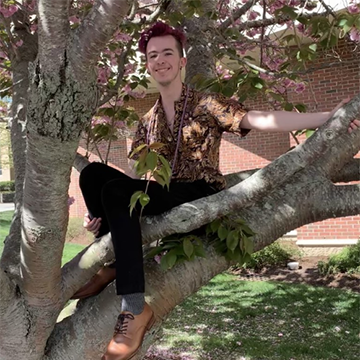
(328, 86)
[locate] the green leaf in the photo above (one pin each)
(313, 47)
(214, 225)
(288, 107)
(144, 199)
(301, 107)
(168, 260)
(159, 178)
(247, 230)
(134, 198)
(153, 252)
(232, 240)
(166, 165)
(188, 247)
(156, 145)
(151, 160)
(136, 150)
(248, 245)
(199, 251)
(275, 96)
(309, 132)
(222, 232)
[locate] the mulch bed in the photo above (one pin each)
(307, 273)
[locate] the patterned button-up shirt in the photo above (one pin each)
(206, 117)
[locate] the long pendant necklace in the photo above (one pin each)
(179, 131)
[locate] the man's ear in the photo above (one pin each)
(147, 68)
(183, 62)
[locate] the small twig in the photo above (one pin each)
(236, 15)
(121, 71)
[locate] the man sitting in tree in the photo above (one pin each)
(190, 125)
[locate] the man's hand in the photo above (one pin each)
(92, 225)
(355, 124)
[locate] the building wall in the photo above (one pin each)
(328, 87)
(6, 170)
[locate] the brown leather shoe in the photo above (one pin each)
(97, 283)
(129, 334)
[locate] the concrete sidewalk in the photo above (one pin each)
(7, 207)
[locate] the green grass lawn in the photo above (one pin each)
(244, 320)
(70, 249)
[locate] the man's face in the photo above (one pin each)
(163, 59)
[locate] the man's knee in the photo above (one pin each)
(88, 174)
(116, 190)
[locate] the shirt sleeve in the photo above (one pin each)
(228, 113)
(139, 139)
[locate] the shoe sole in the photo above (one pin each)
(149, 325)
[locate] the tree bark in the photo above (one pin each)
(10, 259)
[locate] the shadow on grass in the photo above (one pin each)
(236, 320)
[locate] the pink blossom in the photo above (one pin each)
(355, 34)
(127, 89)
(288, 82)
(252, 15)
(8, 11)
(300, 88)
(3, 55)
(71, 200)
(157, 258)
(103, 75)
(227, 76)
(354, 9)
(301, 28)
(18, 43)
(122, 37)
(129, 69)
(74, 19)
(33, 27)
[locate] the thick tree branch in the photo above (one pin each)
(84, 265)
(350, 172)
(95, 31)
(54, 28)
(6, 293)
(10, 259)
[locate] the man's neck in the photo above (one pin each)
(171, 93)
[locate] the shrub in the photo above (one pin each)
(7, 186)
(275, 254)
(346, 261)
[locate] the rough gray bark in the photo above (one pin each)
(24, 55)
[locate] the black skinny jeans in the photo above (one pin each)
(107, 194)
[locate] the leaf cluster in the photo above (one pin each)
(232, 238)
(149, 164)
(176, 249)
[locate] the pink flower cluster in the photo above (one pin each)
(8, 11)
(355, 34)
(354, 8)
(223, 73)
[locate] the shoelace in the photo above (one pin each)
(121, 325)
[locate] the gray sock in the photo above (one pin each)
(133, 303)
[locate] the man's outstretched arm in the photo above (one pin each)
(290, 121)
